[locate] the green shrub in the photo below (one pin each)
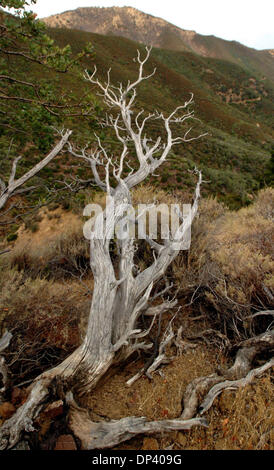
(11, 237)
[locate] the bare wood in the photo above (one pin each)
(193, 392)
(182, 345)
(261, 314)
(233, 385)
(210, 332)
(249, 349)
(14, 185)
(108, 434)
(5, 377)
(22, 420)
(4, 343)
(5, 340)
(239, 374)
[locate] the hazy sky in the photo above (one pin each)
(250, 22)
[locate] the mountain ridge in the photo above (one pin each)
(144, 28)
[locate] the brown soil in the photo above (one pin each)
(238, 420)
(156, 399)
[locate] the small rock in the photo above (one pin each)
(65, 442)
(7, 409)
(150, 444)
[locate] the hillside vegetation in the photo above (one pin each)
(224, 283)
(234, 107)
(133, 24)
(227, 274)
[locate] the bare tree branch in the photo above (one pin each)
(14, 185)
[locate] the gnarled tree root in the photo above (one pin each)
(108, 434)
(92, 435)
(5, 340)
(22, 420)
(76, 370)
(4, 372)
(233, 385)
(239, 375)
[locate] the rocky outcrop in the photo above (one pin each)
(123, 21)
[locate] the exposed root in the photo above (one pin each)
(181, 344)
(95, 435)
(5, 377)
(50, 385)
(197, 388)
(161, 358)
(233, 385)
(5, 340)
(158, 357)
(22, 420)
(262, 313)
(249, 350)
(210, 332)
(239, 375)
(108, 434)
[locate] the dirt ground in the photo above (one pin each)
(238, 420)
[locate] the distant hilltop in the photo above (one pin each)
(133, 24)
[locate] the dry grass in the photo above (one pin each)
(57, 250)
(157, 399)
(46, 316)
(146, 194)
(237, 420)
(243, 247)
(229, 271)
(47, 320)
(240, 248)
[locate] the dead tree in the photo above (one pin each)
(119, 296)
(122, 293)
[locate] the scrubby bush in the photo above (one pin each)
(64, 255)
(45, 318)
(11, 237)
(230, 270)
